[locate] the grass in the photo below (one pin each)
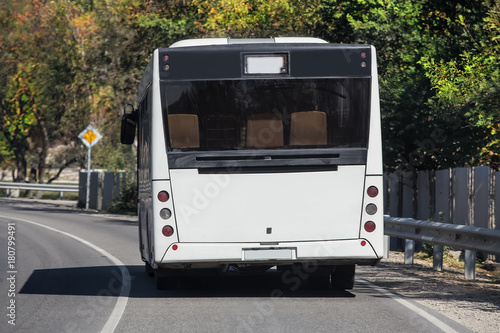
(459, 264)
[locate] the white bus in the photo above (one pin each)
(256, 154)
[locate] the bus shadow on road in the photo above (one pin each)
(251, 286)
(107, 281)
(96, 280)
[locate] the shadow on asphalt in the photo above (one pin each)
(107, 281)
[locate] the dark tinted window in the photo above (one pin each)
(267, 113)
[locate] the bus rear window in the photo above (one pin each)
(267, 113)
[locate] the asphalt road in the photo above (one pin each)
(67, 270)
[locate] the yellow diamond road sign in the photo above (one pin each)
(90, 136)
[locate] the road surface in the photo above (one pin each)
(67, 270)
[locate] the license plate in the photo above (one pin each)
(269, 254)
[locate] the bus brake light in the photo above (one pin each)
(372, 191)
(167, 231)
(163, 196)
(370, 226)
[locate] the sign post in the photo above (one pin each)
(89, 136)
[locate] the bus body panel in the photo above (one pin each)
(267, 207)
(225, 41)
(374, 157)
(376, 237)
(144, 162)
(159, 161)
(161, 243)
(204, 255)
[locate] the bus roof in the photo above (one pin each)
(225, 41)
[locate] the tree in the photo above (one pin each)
(417, 133)
(469, 83)
(30, 99)
(67, 63)
(255, 18)
(61, 72)
(18, 119)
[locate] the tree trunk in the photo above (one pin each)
(21, 164)
(31, 179)
(19, 150)
(21, 167)
(42, 156)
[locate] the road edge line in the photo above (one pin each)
(122, 299)
(434, 320)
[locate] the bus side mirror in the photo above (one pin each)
(129, 123)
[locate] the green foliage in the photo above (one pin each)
(418, 132)
(254, 18)
(122, 157)
(65, 64)
(127, 202)
(469, 82)
(6, 155)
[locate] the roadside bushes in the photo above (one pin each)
(127, 201)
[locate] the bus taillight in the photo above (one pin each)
(167, 231)
(372, 191)
(163, 196)
(370, 226)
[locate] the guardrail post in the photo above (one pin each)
(387, 245)
(82, 189)
(120, 181)
(94, 191)
(459, 236)
(437, 258)
(107, 189)
(409, 251)
(470, 265)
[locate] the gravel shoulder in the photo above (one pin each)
(474, 304)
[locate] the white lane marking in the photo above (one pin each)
(443, 326)
(121, 302)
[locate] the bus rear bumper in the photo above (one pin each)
(203, 255)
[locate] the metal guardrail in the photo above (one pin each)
(40, 187)
(470, 238)
(459, 236)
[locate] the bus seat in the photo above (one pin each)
(264, 131)
(184, 131)
(308, 128)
